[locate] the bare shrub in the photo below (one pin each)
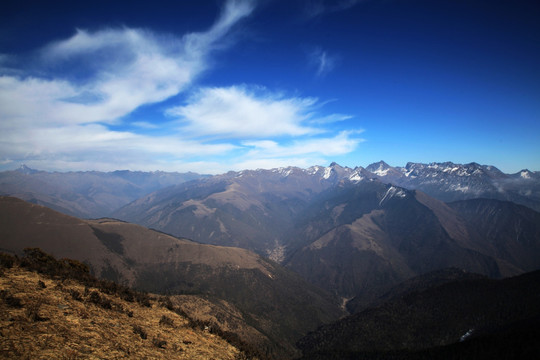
(75, 294)
(6, 261)
(140, 331)
(10, 300)
(32, 312)
(102, 301)
(166, 303)
(159, 343)
(165, 320)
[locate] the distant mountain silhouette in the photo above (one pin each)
(88, 194)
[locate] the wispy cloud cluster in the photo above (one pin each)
(342, 143)
(104, 75)
(322, 61)
(67, 114)
(238, 112)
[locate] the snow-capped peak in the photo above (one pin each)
(357, 175)
(26, 170)
(380, 168)
(525, 174)
(284, 171)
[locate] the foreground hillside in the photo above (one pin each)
(272, 306)
(56, 317)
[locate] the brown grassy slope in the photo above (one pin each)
(40, 318)
(28, 225)
(221, 315)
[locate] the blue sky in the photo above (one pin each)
(212, 86)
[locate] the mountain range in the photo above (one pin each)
(88, 194)
(277, 253)
(450, 182)
(350, 231)
(94, 194)
(354, 232)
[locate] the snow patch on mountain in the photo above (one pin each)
(356, 177)
(283, 171)
(314, 170)
(381, 172)
(525, 174)
(393, 192)
(451, 170)
(466, 335)
(327, 173)
(408, 173)
(459, 187)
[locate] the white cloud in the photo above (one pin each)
(65, 121)
(128, 67)
(123, 69)
(77, 141)
(233, 11)
(238, 112)
(145, 125)
(64, 117)
(342, 143)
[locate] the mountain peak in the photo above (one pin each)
(379, 164)
(379, 168)
(525, 174)
(23, 169)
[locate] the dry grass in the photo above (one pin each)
(62, 320)
(221, 314)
